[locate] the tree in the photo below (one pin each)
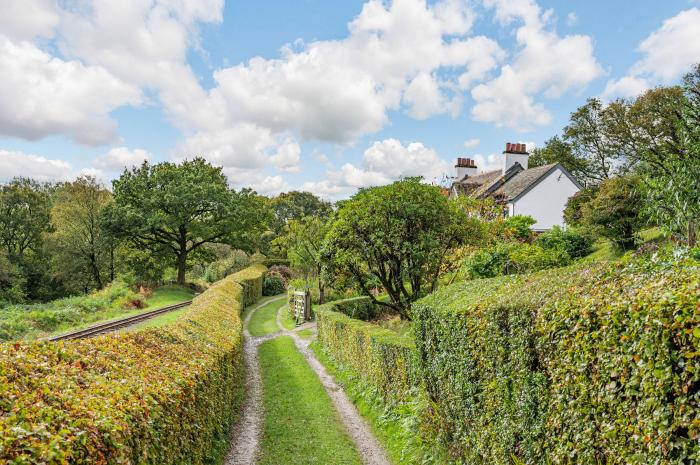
(83, 251)
(614, 212)
(659, 132)
(291, 206)
(573, 212)
(24, 217)
(11, 281)
(304, 243)
(180, 207)
(588, 136)
(399, 236)
(556, 150)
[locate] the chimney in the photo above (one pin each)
(514, 153)
(466, 167)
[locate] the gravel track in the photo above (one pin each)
(246, 433)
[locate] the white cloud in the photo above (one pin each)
(669, 52)
(41, 95)
(118, 158)
(626, 86)
(340, 90)
(571, 19)
(286, 157)
(470, 143)
(20, 164)
(382, 163)
(544, 64)
(26, 19)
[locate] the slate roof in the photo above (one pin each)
(521, 182)
(506, 187)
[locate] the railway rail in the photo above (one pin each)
(114, 325)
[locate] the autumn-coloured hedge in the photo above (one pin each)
(157, 396)
(381, 358)
(571, 366)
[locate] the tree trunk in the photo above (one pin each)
(181, 265)
(96, 271)
(321, 292)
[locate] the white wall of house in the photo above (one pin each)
(546, 201)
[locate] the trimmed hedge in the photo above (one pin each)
(360, 308)
(573, 365)
(158, 396)
(384, 360)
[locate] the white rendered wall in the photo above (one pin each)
(546, 201)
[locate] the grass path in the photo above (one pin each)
(293, 411)
(301, 424)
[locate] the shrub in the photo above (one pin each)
(576, 365)
(273, 285)
(575, 243)
(234, 261)
(505, 258)
(158, 396)
(519, 227)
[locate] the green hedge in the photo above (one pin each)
(567, 366)
(384, 360)
(158, 396)
(360, 308)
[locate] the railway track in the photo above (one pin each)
(113, 325)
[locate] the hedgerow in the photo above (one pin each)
(159, 396)
(576, 365)
(384, 360)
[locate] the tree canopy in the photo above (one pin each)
(180, 207)
(397, 236)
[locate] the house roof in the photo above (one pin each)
(511, 186)
(526, 179)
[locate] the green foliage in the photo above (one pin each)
(575, 243)
(24, 216)
(181, 207)
(580, 365)
(504, 257)
(383, 359)
(359, 308)
(573, 212)
(398, 236)
(233, 262)
(158, 396)
(614, 212)
(555, 150)
(82, 252)
(304, 241)
(31, 320)
(288, 207)
(519, 227)
(11, 282)
(273, 285)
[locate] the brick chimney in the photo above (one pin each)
(514, 153)
(465, 167)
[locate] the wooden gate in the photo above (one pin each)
(302, 306)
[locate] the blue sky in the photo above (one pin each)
(316, 95)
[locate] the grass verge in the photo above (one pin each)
(288, 322)
(394, 428)
(264, 320)
(301, 424)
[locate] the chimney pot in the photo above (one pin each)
(508, 144)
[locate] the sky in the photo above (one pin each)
(317, 95)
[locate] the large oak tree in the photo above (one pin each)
(181, 207)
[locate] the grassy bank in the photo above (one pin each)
(27, 322)
(301, 425)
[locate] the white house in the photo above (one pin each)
(540, 192)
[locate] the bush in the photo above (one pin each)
(575, 243)
(158, 396)
(576, 365)
(504, 258)
(234, 261)
(273, 285)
